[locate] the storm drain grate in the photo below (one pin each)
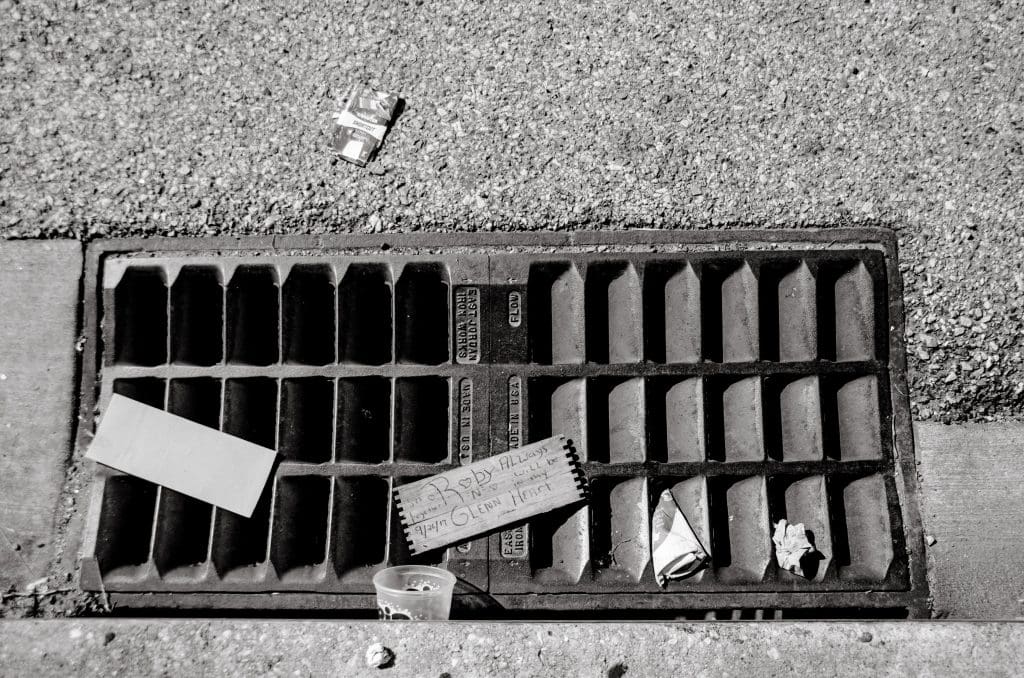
(756, 380)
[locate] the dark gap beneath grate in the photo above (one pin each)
(197, 399)
(364, 416)
(364, 315)
(718, 513)
(182, 532)
(360, 523)
(240, 543)
(307, 419)
(250, 409)
(148, 390)
(299, 536)
(421, 419)
(197, 306)
(308, 315)
(421, 315)
(140, 317)
(252, 316)
(126, 521)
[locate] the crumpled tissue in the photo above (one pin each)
(791, 546)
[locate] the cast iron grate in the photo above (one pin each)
(755, 380)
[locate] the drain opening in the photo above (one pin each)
(364, 417)
(307, 419)
(197, 300)
(298, 544)
(126, 522)
(252, 313)
(308, 315)
(421, 419)
(421, 315)
(360, 523)
(240, 543)
(364, 315)
(140, 315)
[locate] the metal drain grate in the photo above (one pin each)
(755, 374)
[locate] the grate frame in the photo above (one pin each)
(499, 264)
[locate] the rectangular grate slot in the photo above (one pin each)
(672, 313)
(252, 316)
(239, 548)
(803, 500)
(196, 399)
(148, 390)
(750, 378)
(615, 420)
(620, 529)
(613, 305)
(140, 317)
(560, 546)
(729, 303)
(741, 543)
(182, 534)
(421, 419)
(250, 410)
(735, 423)
(308, 314)
(364, 315)
(861, 530)
(788, 316)
(691, 496)
(793, 419)
(557, 314)
(307, 419)
(364, 417)
(558, 406)
(125, 525)
(360, 525)
(197, 316)
(852, 427)
(846, 297)
(298, 541)
(421, 315)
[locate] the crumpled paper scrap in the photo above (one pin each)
(791, 546)
(676, 551)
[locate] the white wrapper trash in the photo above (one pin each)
(675, 550)
(791, 546)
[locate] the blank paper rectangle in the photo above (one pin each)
(174, 452)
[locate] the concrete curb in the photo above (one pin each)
(308, 648)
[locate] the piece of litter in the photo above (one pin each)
(361, 124)
(507, 488)
(378, 656)
(182, 455)
(675, 550)
(37, 584)
(791, 546)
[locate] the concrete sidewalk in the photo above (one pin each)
(102, 647)
(39, 298)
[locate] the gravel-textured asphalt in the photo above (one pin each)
(191, 118)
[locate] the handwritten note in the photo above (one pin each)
(506, 488)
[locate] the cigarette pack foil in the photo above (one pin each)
(361, 124)
(676, 551)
